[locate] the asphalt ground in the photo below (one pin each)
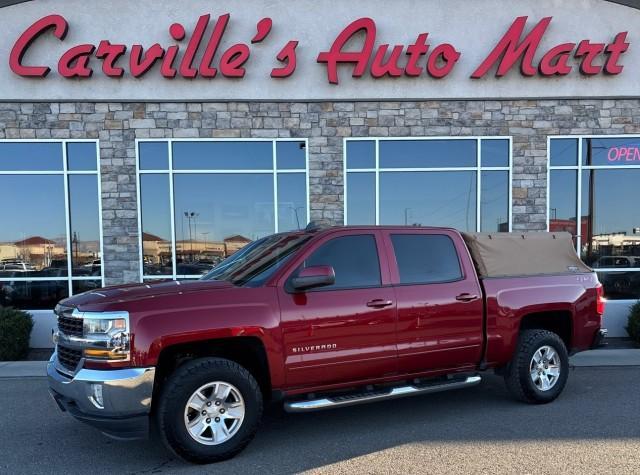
(594, 427)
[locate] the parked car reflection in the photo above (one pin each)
(35, 295)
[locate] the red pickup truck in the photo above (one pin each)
(323, 318)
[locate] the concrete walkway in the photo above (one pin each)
(604, 357)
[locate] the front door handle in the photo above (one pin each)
(466, 297)
(379, 303)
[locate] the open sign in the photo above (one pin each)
(621, 154)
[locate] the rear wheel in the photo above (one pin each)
(209, 410)
(539, 369)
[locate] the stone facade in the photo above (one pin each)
(325, 124)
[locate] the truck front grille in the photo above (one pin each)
(68, 357)
(70, 325)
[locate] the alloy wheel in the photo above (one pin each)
(214, 413)
(545, 368)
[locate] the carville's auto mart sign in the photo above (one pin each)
(305, 50)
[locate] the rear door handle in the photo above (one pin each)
(379, 303)
(466, 297)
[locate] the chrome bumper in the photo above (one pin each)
(126, 397)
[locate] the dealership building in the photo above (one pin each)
(149, 140)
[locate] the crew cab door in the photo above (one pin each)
(344, 332)
(440, 305)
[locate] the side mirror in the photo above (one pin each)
(313, 277)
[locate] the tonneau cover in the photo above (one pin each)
(518, 254)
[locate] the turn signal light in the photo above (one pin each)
(104, 354)
(601, 301)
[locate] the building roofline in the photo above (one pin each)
(6, 3)
(629, 3)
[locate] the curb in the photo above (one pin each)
(605, 357)
(23, 369)
(586, 359)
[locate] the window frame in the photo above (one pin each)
(578, 168)
(478, 169)
(171, 172)
(65, 173)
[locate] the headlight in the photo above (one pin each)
(98, 325)
(108, 335)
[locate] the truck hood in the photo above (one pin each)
(101, 299)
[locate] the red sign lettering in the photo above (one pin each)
(60, 28)
(419, 58)
(513, 48)
(75, 62)
(446, 54)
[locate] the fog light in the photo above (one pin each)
(96, 396)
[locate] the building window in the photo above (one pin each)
(463, 183)
(593, 178)
(50, 232)
(202, 200)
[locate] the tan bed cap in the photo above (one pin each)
(517, 254)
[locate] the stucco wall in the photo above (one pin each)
(473, 27)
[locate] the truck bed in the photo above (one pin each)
(508, 299)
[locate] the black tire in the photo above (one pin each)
(518, 377)
(175, 394)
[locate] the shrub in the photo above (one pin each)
(633, 327)
(15, 331)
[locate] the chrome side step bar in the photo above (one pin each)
(373, 396)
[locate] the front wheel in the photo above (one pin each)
(539, 369)
(209, 410)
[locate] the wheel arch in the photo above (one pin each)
(559, 322)
(249, 352)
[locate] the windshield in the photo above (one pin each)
(256, 262)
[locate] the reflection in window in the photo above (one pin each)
(494, 205)
(291, 155)
(361, 154)
(44, 242)
(217, 214)
(446, 199)
(32, 156)
(564, 152)
(81, 156)
(32, 233)
(563, 199)
(609, 226)
(85, 225)
(614, 152)
(156, 223)
(154, 156)
(495, 153)
(223, 155)
(428, 153)
(292, 201)
(32, 295)
(426, 258)
(80, 286)
(361, 203)
(438, 188)
(354, 260)
(226, 194)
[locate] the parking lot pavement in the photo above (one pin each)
(594, 427)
